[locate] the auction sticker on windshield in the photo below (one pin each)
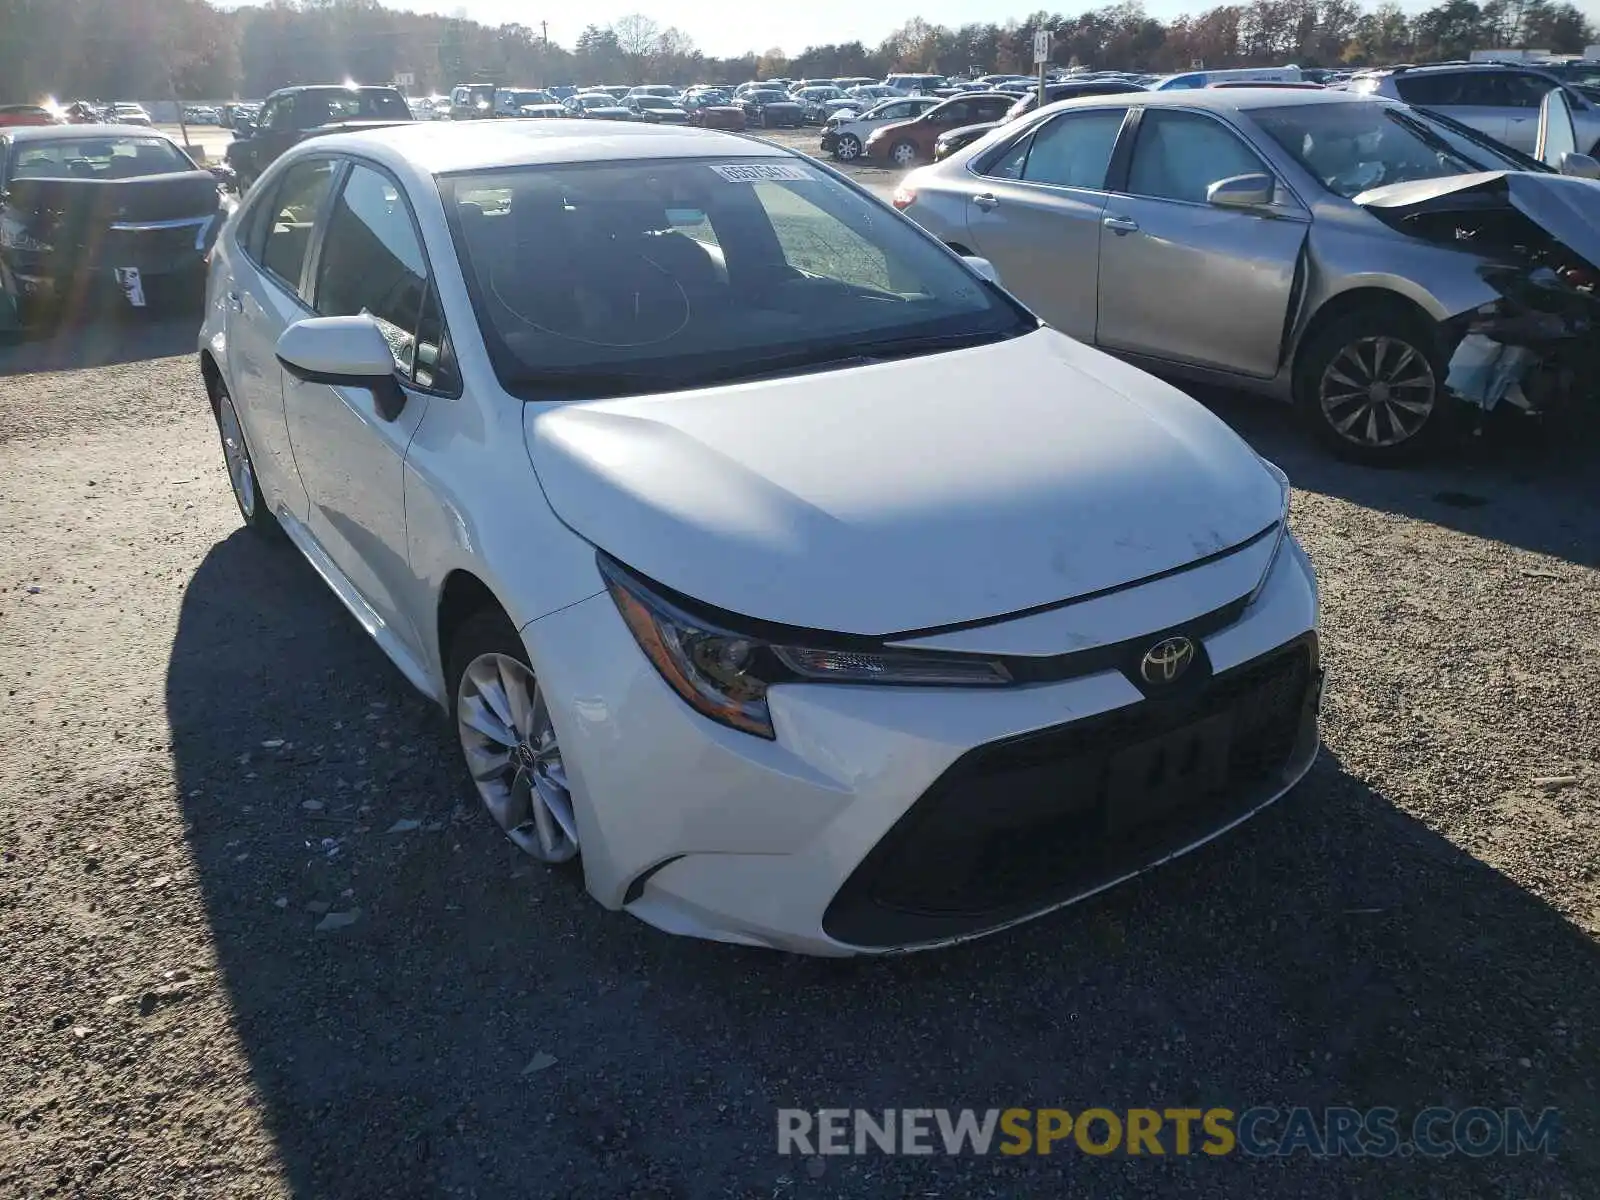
(756, 172)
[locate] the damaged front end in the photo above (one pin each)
(1537, 348)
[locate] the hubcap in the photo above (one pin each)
(904, 154)
(511, 750)
(240, 475)
(849, 148)
(1378, 391)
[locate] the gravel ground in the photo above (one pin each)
(228, 971)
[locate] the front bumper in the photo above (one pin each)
(830, 139)
(888, 818)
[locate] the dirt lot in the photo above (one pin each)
(230, 972)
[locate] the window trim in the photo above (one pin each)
(1122, 167)
(347, 163)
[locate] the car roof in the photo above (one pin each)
(57, 133)
(467, 146)
(1219, 99)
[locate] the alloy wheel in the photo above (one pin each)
(1378, 391)
(240, 473)
(848, 149)
(903, 154)
(511, 750)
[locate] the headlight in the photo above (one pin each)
(724, 674)
(1280, 533)
(14, 237)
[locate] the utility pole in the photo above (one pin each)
(544, 28)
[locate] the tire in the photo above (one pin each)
(241, 467)
(509, 751)
(903, 154)
(848, 148)
(1370, 385)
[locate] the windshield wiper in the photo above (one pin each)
(577, 383)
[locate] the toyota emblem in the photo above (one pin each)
(1167, 660)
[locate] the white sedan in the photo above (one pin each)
(763, 552)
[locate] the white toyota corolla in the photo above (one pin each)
(762, 550)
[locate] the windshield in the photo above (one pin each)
(520, 99)
(603, 101)
(98, 158)
(654, 102)
(604, 279)
(1353, 147)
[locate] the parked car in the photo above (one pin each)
(13, 115)
(770, 108)
(845, 136)
(472, 101)
(964, 135)
(599, 106)
(680, 514)
(527, 102)
(1315, 246)
(657, 110)
(124, 112)
(293, 114)
(714, 110)
(916, 85)
(240, 118)
(100, 211)
(1200, 79)
(814, 102)
(903, 143)
(1501, 101)
(661, 91)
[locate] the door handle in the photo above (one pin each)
(1120, 225)
(986, 200)
(235, 303)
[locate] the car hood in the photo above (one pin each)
(910, 494)
(1566, 208)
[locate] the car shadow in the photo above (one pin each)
(1527, 485)
(467, 1023)
(101, 338)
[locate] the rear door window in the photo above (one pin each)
(1071, 150)
(290, 218)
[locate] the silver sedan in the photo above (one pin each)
(1257, 238)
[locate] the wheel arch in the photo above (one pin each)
(462, 594)
(1358, 299)
(211, 375)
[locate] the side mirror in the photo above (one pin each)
(1580, 166)
(982, 267)
(343, 352)
(1241, 191)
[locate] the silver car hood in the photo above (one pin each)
(1566, 208)
(910, 494)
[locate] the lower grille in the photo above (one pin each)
(1016, 826)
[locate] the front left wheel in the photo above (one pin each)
(242, 469)
(507, 739)
(903, 154)
(1371, 385)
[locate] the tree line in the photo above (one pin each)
(189, 49)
